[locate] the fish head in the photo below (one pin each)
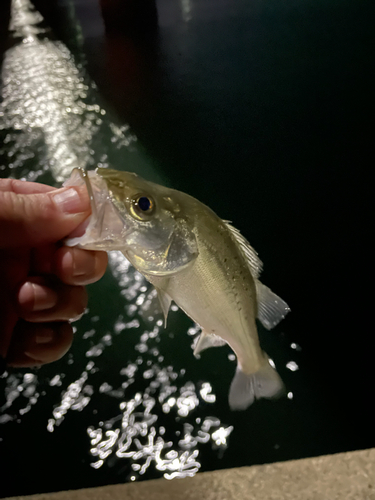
(142, 219)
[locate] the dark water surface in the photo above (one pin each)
(260, 109)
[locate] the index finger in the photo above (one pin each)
(24, 187)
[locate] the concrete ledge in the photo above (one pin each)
(345, 476)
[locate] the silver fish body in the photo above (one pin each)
(195, 259)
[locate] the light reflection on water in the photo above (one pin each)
(52, 123)
(47, 107)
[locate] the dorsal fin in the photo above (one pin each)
(251, 256)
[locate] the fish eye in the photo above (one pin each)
(143, 205)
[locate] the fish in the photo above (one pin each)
(194, 258)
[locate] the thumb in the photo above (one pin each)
(39, 218)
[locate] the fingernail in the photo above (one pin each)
(45, 336)
(80, 230)
(78, 317)
(84, 264)
(68, 261)
(69, 201)
(38, 362)
(36, 297)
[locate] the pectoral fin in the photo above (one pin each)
(207, 340)
(165, 302)
(271, 308)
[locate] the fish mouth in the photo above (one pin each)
(104, 229)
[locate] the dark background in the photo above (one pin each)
(263, 110)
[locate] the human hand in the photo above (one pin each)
(41, 281)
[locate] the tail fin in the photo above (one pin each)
(265, 383)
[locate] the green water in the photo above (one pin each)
(258, 109)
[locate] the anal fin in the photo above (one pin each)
(207, 340)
